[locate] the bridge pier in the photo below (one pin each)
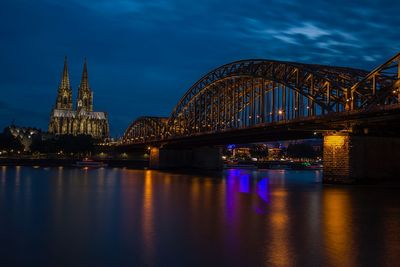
(206, 158)
(357, 159)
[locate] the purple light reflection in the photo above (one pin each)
(263, 190)
(240, 181)
(244, 186)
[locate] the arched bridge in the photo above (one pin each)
(247, 101)
(145, 129)
(252, 94)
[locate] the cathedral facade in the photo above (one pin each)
(81, 119)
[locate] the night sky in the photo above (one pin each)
(143, 55)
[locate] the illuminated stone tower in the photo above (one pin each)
(85, 94)
(82, 120)
(64, 96)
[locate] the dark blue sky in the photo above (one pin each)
(143, 55)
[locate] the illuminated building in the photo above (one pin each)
(274, 153)
(64, 119)
(23, 134)
(243, 152)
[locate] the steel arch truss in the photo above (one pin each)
(248, 93)
(379, 88)
(145, 129)
(251, 93)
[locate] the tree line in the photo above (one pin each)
(64, 143)
(46, 143)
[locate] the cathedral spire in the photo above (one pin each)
(65, 76)
(85, 96)
(85, 79)
(64, 95)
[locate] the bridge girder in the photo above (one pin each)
(252, 93)
(145, 129)
(380, 87)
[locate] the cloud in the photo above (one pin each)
(309, 30)
(286, 39)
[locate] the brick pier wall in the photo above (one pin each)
(352, 159)
(336, 158)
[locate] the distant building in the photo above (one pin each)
(23, 134)
(274, 153)
(243, 152)
(64, 119)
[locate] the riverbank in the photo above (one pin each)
(66, 162)
(139, 164)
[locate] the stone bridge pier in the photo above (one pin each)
(205, 158)
(359, 158)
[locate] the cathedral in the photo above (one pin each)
(65, 119)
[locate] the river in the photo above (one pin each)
(121, 217)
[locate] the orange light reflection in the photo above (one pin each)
(337, 227)
(147, 218)
(279, 253)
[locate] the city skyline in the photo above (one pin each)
(149, 53)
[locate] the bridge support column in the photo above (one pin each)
(357, 159)
(206, 158)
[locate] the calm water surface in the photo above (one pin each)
(121, 217)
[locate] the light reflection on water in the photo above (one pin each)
(147, 219)
(337, 231)
(119, 217)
